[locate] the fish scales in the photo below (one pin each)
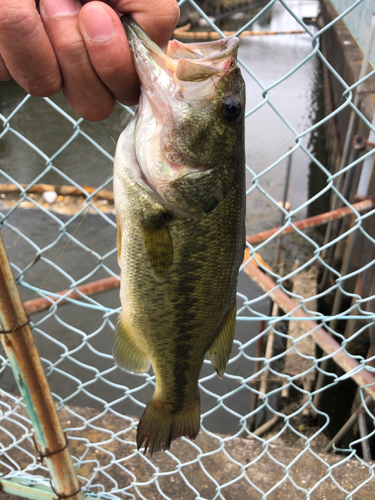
(180, 245)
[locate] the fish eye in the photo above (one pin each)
(231, 109)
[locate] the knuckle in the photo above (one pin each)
(17, 20)
(173, 7)
(44, 86)
(66, 47)
(108, 68)
(169, 9)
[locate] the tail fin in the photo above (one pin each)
(158, 426)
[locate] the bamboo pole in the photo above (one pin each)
(18, 342)
(360, 375)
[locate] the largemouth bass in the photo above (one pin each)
(179, 186)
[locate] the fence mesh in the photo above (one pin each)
(62, 243)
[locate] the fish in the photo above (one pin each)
(179, 193)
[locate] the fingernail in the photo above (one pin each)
(97, 23)
(55, 8)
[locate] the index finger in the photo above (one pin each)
(26, 49)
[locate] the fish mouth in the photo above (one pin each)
(176, 86)
(181, 62)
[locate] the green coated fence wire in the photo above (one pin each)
(271, 376)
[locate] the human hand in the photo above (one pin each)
(80, 48)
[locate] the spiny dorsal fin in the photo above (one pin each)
(126, 353)
(158, 243)
(221, 347)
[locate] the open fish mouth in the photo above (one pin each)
(181, 62)
(189, 119)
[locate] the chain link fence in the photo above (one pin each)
(303, 338)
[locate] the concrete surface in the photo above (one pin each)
(248, 462)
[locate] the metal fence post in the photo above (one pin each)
(18, 342)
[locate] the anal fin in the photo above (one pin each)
(158, 243)
(126, 353)
(221, 347)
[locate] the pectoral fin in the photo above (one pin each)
(126, 353)
(221, 347)
(158, 243)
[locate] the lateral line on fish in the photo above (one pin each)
(86, 211)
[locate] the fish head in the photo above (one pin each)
(190, 121)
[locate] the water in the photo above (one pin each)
(268, 137)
